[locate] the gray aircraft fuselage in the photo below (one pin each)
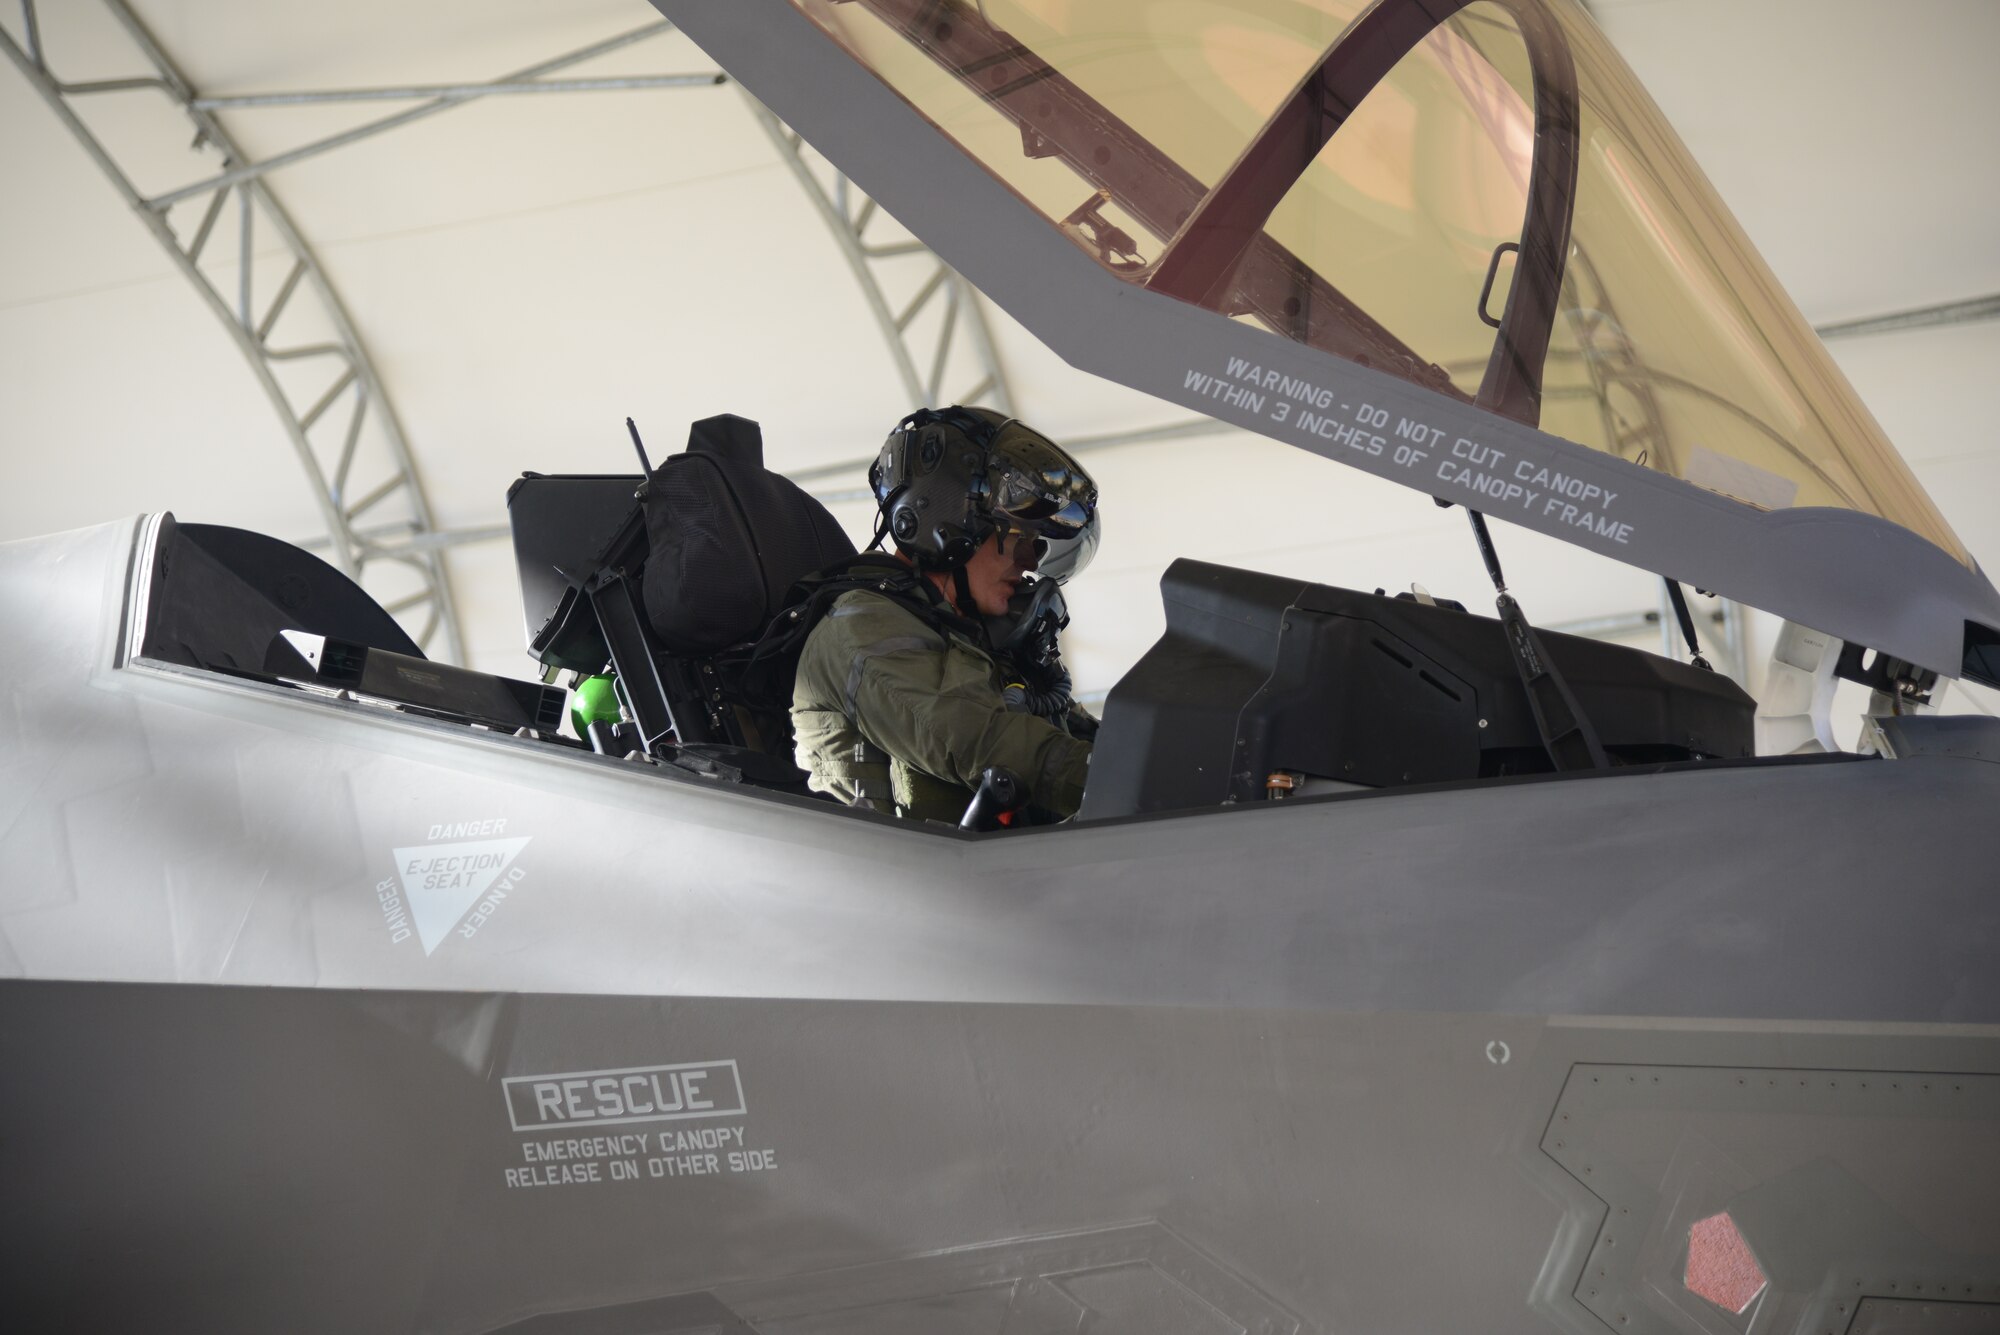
(326, 1017)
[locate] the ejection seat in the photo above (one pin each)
(673, 595)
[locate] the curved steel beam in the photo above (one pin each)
(1970, 311)
(911, 328)
(346, 486)
(445, 99)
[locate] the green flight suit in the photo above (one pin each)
(895, 714)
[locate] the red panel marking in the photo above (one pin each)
(1720, 1267)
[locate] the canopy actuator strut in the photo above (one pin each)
(1566, 732)
(1686, 618)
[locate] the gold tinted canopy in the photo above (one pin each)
(1477, 197)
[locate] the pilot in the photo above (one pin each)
(938, 661)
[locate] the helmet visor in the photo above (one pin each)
(1067, 556)
(1034, 486)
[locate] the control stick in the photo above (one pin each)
(1000, 792)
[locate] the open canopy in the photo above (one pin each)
(1452, 243)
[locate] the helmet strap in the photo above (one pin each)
(966, 607)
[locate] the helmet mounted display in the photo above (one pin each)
(948, 479)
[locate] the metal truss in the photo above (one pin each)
(305, 380)
(1972, 310)
(294, 333)
(313, 367)
(934, 324)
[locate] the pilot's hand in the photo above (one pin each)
(1080, 724)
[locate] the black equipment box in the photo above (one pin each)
(419, 684)
(1259, 674)
(561, 526)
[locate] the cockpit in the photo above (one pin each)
(1262, 690)
(1451, 244)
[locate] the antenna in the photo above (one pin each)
(639, 445)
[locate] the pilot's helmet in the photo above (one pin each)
(947, 479)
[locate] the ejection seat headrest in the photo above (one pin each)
(728, 437)
(726, 539)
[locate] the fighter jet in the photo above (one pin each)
(1407, 968)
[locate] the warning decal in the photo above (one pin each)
(575, 1103)
(442, 882)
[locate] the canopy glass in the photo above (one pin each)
(1477, 197)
